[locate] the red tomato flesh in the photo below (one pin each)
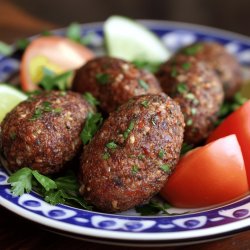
(237, 123)
(208, 175)
(60, 52)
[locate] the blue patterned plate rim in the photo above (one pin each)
(215, 221)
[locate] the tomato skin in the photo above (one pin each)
(61, 51)
(237, 123)
(208, 175)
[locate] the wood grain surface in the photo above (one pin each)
(18, 233)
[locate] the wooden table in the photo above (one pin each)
(18, 233)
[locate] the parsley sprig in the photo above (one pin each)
(90, 99)
(92, 124)
(74, 33)
(62, 190)
(154, 207)
(230, 106)
(51, 80)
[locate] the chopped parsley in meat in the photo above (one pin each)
(186, 65)
(135, 169)
(165, 168)
(143, 84)
(129, 129)
(106, 156)
(111, 145)
(43, 108)
(161, 153)
(174, 72)
(193, 49)
(182, 87)
(144, 103)
(102, 78)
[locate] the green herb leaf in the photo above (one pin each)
(182, 87)
(238, 99)
(154, 120)
(144, 103)
(46, 33)
(129, 129)
(186, 65)
(165, 168)
(20, 181)
(92, 124)
(134, 170)
(229, 106)
(54, 197)
(193, 50)
(57, 110)
(191, 96)
(68, 182)
(87, 39)
(61, 196)
(52, 81)
(189, 122)
(45, 107)
(106, 156)
(46, 182)
(22, 44)
(111, 145)
(74, 32)
(193, 111)
(186, 147)
(174, 72)
(90, 99)
(37, 114)
(141, 157)
(102, 78)
(62, 190)
(161, 153)
(6, 49)
(143, 84)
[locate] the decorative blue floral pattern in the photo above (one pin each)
(173, 36)
(212, 218)
(8, 66)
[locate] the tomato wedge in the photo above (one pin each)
(58, 54)
(237, 123)
(208, 175)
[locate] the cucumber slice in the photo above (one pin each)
(129, 40)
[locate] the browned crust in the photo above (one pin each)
(224, 64)
(112, 184)
(121, 85)
(50, 141)
(201, 98)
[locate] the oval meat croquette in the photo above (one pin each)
(43, 132)
(224, 64)
(198, 91)
(132, 155)
(114, 81)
